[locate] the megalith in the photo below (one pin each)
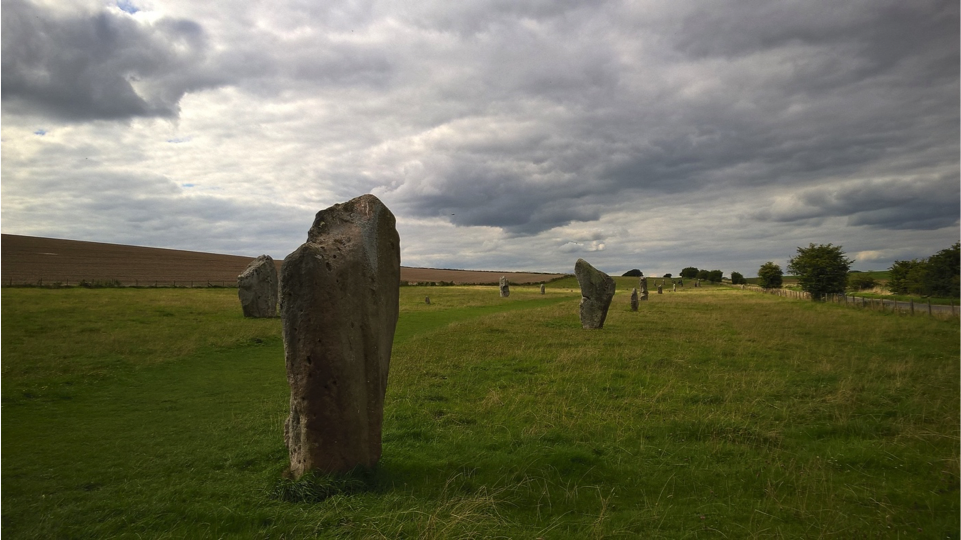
(339, 305)
(597, 291)
(660, 289)
(505, 287)
(543, 288)
(634, 301)
(427, 300)
(257, 288)
(643, 285)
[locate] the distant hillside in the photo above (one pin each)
(31, 259)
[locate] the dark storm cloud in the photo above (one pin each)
(923, 204)
(103, 65)
(880, 33)
(739, 95)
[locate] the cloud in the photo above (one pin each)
(898, 203)
(503, 135)
(80, 66)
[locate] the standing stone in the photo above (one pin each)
(339, 305)
(660, 289)
(257, 288)
(634, 301)
(597, 291)
(542, 288)
(505, 287)
(643, 284)
(427, 300)
(680, 282)
(675, 287)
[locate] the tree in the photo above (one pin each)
(935, 276)
(690, 272)
(944, 268)
(820, 269)
(667, 276)
(907, 277)
(737, 278)
(703, 275)
(715, 276)
(770, 276)
(633, 273)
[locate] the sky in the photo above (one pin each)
(503, 135)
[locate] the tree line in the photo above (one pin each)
(825, 269)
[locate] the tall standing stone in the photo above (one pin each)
(597, 291)
(634, 300)
(643, 284)
(660, 289)
(257, 288)
(675, 287)
(505, 287)
(543, 288)
(339, 305)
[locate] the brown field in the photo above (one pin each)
(30, 260)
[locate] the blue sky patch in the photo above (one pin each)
(178, 140)
(40, 132)
(186, 185)
(127, 5)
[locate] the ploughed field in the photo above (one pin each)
(708, 413)
(30, 260)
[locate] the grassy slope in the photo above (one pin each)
(710, 412)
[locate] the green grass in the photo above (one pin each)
(709, 413)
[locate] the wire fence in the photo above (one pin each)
(905, 307)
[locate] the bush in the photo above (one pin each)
(770, 276)
(936, 276)
(944, 268)
(860, 282)
(690, 272)
(703, 275)
(715, 276)
(821, 269)
(737, 278)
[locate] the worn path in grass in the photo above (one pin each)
(709, 413)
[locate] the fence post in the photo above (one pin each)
(911, 302)
(929, 307)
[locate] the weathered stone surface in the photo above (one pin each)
(660, 289)
(505, 287)
(339, 304)
(543, 288)
(257, 288)
(634, 299)
(597, 291)
(643, 285)
(427, 300)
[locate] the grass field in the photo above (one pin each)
(709, 413)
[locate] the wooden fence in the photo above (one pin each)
(909, 307)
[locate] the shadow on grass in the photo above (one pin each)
(315, 487)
